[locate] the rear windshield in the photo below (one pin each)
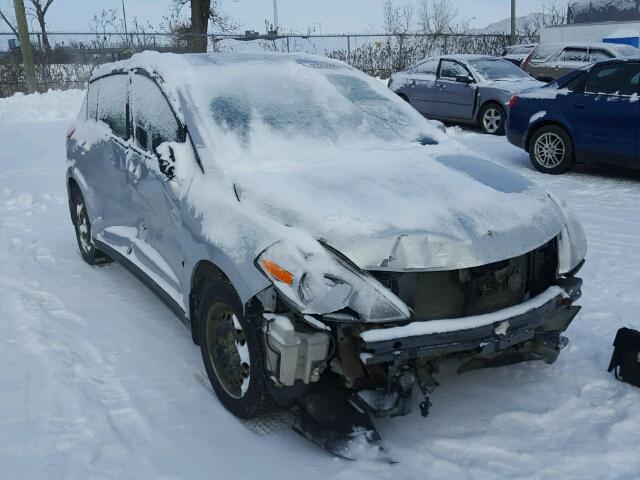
(627, 50)
(498, 69)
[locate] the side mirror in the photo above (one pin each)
(466, 79)
(166, 161)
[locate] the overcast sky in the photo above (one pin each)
(331, 16)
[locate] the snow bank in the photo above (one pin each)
(54, 105)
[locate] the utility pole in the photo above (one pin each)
(275, 15)
(513, 22)
(25, 46)
(124, 15)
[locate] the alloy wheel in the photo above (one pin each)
(492, 120)
(549, 150)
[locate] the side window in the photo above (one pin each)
(576, 84)
(595, 55)
(619, 79)
(430, 67)
(571, 54)
(112, 103)
(153, 120)
(451, 69)
(543, 52)
(92, 101)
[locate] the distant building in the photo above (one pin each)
(615, 21)
(592, 11)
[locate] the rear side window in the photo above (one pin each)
(571, 54)
(621, 79)
(430, 67)
(595, 55)
(153, 118)
(542, 52)
(451, 69)
(112, 102)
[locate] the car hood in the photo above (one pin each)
(403, 209)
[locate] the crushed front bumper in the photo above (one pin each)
(496, 332)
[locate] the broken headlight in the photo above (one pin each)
(322, 283)
(572, 243)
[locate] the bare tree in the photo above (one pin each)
(10, 24)
(39, 10)
(397, 20)
(443, 15)
(424, 16)
(555, 11)
(203, 14)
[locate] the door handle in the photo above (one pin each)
(579, 106)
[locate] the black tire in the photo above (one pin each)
(227, 371)
(493, 119)
(551, 150)
(82, 226)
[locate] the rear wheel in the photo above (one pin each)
(82, 224)
(551, 150)
(492, 119)
(232, 352)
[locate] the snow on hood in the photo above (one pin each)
(515, 85)
(409, 208)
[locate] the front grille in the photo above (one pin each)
(474, 291)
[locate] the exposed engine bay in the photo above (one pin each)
(519, 308)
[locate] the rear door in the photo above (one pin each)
(422, 87)
(455, 100)
(104, 168)
(606, 113)
(157, 246)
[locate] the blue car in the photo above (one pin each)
(588, 116)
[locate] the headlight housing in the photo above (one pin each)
(320, 282)
(572, 243)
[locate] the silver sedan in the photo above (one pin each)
(472, 89)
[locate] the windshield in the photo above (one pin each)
(330, 105)
(498, 69)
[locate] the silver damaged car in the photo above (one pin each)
(324, 243)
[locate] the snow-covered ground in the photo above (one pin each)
(98, 379)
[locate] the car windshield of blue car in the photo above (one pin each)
(333, 105)
(498, 69)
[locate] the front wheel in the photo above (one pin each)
(551, 150)
(82, 224)
(232, 352)
(493, 119)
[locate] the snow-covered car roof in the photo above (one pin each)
(179, 69)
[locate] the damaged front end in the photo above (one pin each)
(342, 344)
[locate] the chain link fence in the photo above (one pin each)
(66, 60)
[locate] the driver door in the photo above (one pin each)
(455, 99)
(157, 248)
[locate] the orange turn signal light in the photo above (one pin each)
(277, 272)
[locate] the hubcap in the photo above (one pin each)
(492, 120)
(549, 150)
(83, 227)
(228, 350)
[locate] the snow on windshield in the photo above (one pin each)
(497, 69)
(336, 105)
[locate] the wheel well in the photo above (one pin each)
(204, 274)
(73, 187)
(531, 132)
